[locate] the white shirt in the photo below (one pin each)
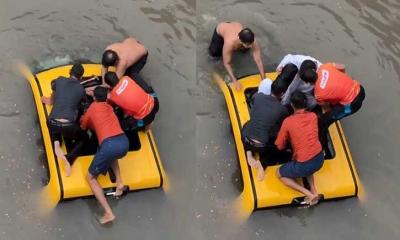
(265, 86)
(297, 83)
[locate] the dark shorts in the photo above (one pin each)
(216, 45)
(111, 149)
(71, 132)
(136, 67)
(140, 81)
(294, 169)
(129, 123)
(340, 111)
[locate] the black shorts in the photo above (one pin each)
(129, 123)
(136, 67)
(141, 82)
(216, 45)
(150, 117)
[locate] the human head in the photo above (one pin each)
(278, 88)
(298, 100)
(246, 37)
(307, 64)
(305, 68)
(76, 71)
(100, 94)
(309, 76)
(109, 58)
(111, 79)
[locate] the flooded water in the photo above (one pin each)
(192, 129)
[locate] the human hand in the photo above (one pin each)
(238, 85)
(90, 92)
(46, 100)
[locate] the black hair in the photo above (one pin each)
(307, 64)
(309, 75)
(278, 88)
(246, 36)
(109, 58)
(111, 79)
(100, 94)
(298, 100)
(77, 71)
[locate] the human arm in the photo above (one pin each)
(283, 136)
(120, 68)
(284, 62)
(104, 70)
(227, 57)
(48, 100)
(258, 59)
(290, 90)
(84, 122)
(339, 66)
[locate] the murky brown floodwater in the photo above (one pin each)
(192, 128)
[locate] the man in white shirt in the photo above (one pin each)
(297, 83)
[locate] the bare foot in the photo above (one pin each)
(252, 162)
(108, 217)
(119, 191)
(60, 154)
(315, 200)
(312, 199)
(260, 172)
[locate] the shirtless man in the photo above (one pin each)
(229, 37)
(128, 57)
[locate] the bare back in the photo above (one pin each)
(129, 52)
(229, 32)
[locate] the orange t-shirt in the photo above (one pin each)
(301, 130)
(132, 98)
(101, 118)
(334, 86)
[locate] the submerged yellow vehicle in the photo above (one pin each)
(141, 168)
(336, 179)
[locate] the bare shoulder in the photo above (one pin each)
(113, 46)
(130, 40)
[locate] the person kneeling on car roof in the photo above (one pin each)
(67, 95)
(259, 133)
(139, 107)
(301, 130)
(336, 92)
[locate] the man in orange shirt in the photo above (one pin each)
(113, 145)
(301, 130)
(139, 107)
(337, 93)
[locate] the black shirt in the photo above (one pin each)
(68, 93)
(266, 117)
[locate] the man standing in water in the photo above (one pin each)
(128, 57)
(113, 145)
(229, 37)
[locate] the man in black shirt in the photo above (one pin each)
(62, 121)
(259, 133)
